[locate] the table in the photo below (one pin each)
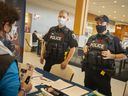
(125, 93)
(53, 78)
(122, 65)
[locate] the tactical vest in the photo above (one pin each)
(94, 59)
(5, 61)
(57, 43)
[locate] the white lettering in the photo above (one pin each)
(96, 45)
(56, 38)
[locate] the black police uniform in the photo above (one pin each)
(98, 71)
(58, 41)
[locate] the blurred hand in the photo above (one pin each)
(42, 60)
(64, 64)
(85, 49)
(107, 55)
(25, 86)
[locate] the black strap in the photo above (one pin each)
(5, 61)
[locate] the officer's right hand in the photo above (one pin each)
(64, 64)
(85, 49)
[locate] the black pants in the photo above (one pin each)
(95, 81)
(50, 61)
(39, 47)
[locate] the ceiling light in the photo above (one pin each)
(118, 27)
(94, 3)
(115, 12)
(122, 20)
(122, 5)
(124, 15)
(115, 1)
(103, 6)
(109, 15)
(99, 11)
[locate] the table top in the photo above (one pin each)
(52, 77)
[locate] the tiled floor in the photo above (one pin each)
(117, 86)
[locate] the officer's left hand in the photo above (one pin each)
(107, 54)
(64, 64)
(85, 49)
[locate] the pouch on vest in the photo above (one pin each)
(93, 56)
(84, 63)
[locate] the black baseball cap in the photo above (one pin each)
(102, 18)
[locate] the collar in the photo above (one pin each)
(4, 50)
(62, 29)
(103, 35)
(106, 34)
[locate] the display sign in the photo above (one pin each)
(17, 33)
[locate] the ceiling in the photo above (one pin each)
(116, 10)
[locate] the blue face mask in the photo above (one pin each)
(61, 21)
(100, 28)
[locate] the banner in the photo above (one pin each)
(17, 33)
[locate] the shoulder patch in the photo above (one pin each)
(93, 37)
(110, 37)
(73, 36)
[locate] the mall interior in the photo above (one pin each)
(41, 15)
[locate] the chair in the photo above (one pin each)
(125, 93)
(66, 73)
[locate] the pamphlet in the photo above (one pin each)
(60, 84)
(75, 91)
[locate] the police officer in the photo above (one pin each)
(60, 43)
(100, 52)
